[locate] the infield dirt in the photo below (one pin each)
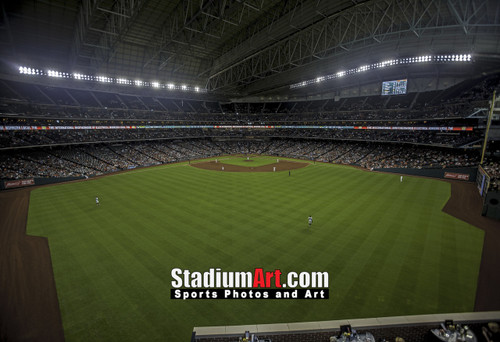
(281, 166)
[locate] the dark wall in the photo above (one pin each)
(491, 206)
(434, 173)
(45, 181)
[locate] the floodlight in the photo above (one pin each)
(183, 87)
(138, 83)
(170, 86)
(155, 84)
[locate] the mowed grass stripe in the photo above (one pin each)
(192, 183)
(120, 287)
(381, 241)
(336, 212)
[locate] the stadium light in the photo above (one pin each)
(29, 71)
(406, 60)
(105, 79)
(53, 73)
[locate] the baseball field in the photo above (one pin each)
(387, 246)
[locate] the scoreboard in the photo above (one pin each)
(396, 87)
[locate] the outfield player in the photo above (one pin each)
(310, 220)
(97, 201)
(401, 179)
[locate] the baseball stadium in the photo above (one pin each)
(250, 170)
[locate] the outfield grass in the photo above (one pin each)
(387, 246)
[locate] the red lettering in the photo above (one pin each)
(277, 280)
(258, 278)
(269, 275)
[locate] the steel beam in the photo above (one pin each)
(103, 24)
(361, 26)
(196, 22)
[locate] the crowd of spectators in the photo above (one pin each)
(449, 110)
(54, 137)
(97, 159)
(90, 152)
(58, 103)
(492, 167)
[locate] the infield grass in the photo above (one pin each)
(388, 247)
(252, 162)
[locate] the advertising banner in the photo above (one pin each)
(459, 176)
(18, 183)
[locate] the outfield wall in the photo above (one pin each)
(442, 173)
(433, 173)
(491, 205)
(6, 185)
